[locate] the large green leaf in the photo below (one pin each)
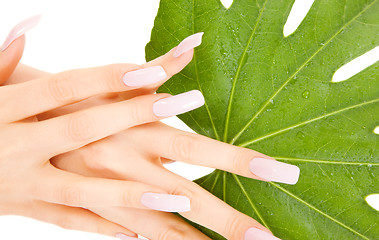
(274, 94)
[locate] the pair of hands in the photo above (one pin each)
(84, 149)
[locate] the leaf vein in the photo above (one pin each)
(296, 72)
(318, 210)
(236, 76)
(306, 122)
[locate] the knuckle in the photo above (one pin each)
(80, 127)
(185, 146)
(60, 87)
(127, 197)
(112, 75)
(71, 195)
(238, 160)
(173, 232)
(138, 112)
(233, 227)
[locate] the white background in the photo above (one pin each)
(83, 33)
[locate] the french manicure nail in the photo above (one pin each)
(125, 237)
(257, 234)
(188, 44)
(166, 202)
(145, 76)
(276, 171)
(19, 30)
(178, 104)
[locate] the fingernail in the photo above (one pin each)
(276, 171)
(145, 76)
(166, 202)
(19, 30)
(257, 234)
(125, 237)
(178, 104)
(188, 44)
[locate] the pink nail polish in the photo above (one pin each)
(166, 202)
(125, 237)
(276, 171)
(178, 104)
(257, 234)
(145, 76)
(188, 44)
(19, 30)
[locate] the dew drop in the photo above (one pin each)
(306, 94)
(300, 135)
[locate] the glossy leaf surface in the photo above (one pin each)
(274, 94)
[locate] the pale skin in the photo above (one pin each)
(66, 160)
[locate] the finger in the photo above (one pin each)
(171, 62)
(152, 224)
(72, 218)
(68, 87)
(175, 144)
(206, 209)
(10, 57)
(78, 129)
(12, 48)
(24, 73)
(70, 189)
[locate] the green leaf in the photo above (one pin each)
(274, 94)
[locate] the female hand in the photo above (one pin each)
(137, 154)
(31, 186)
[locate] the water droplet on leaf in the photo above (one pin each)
(300, 135)
(306, 94)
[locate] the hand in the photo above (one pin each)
(138, 153)
(31, 186)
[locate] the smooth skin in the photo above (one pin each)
(57, 169)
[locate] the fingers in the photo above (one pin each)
(196, 149)
(80, 128)
(206, 209)
(75, 219)
(69, 189)
(152, 224)
(68, 87)
(10, 57)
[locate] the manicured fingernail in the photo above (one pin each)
(257, 234)
(178, 104)
(276, 171)
(19, 30)
(125, 237)
(145, 76)
(166, 202)
(188, 44)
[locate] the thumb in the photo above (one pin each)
(10, 57)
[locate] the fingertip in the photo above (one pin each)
(10, 57)
(171, 64)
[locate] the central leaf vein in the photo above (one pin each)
(236, 76)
